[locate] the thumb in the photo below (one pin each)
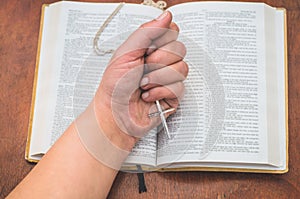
(139, 41)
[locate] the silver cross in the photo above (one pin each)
(161, 113)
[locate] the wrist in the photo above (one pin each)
(110, 128)
(103, 140)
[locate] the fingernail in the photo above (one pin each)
(144, 81)
(163, 15)
(145, 95)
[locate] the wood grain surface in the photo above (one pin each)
(19, 27)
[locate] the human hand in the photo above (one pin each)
(148, 66)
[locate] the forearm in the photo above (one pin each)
(84, 161)
(67, 171)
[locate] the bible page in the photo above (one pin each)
(69, 68)
(227, 84)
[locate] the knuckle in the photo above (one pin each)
(181, 90)
(180, 49)
(181, 87)
(184, 68)
(175, 48)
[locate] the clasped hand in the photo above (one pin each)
(147, 67)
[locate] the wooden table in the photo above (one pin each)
(19, 27)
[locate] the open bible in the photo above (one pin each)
(233, 116)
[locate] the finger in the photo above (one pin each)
(170, 35)
(172, 91)
(138, 42)
(164, 76)
(168, 104)
(173, 103)
(173, 26)
(164, 56)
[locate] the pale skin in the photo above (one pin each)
(68, 170)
